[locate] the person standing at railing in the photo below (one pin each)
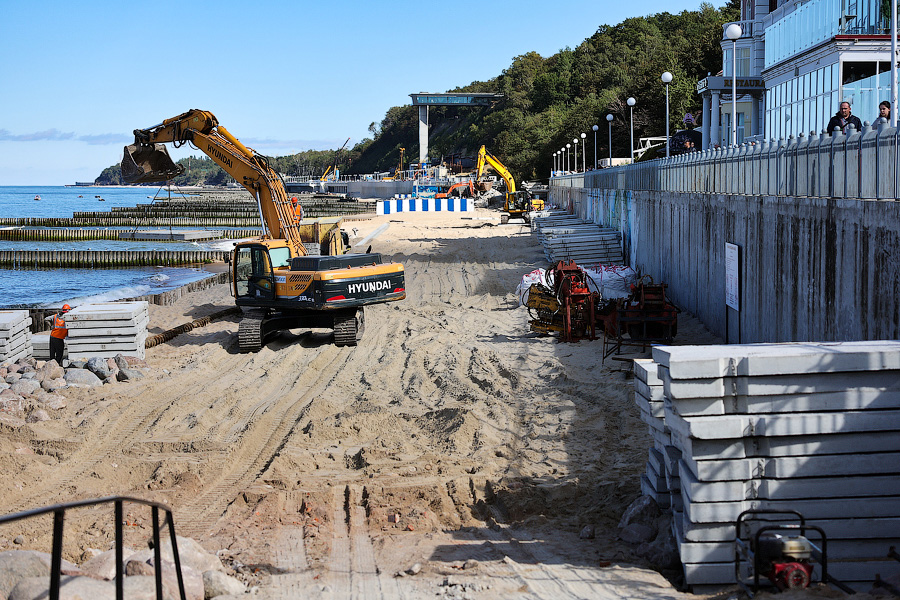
(843, 119)
(884, 111)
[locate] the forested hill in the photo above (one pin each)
(547, 101)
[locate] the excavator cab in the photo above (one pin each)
(254, 278)
(147, 163)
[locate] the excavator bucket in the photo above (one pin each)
(146, 163)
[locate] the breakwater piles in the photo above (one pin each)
(107, 259)
(224, 209)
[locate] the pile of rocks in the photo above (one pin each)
(30, 388)
(26, 574)
(15, 335)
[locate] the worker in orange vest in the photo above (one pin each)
(58, 333)
(298, 210)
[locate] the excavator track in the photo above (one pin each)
(348, 329)
(250, 331)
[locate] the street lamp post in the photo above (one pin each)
(609, 120)
(595, 128)
(583, 153)
(667, 79)
(568, 156)
(733, 32)
(631, 102)
(575, 149)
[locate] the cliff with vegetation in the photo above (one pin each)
(547, 102)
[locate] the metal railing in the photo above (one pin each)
(864, 164)
(59, 511)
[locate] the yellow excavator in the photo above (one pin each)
(296, 275)
(516, 204)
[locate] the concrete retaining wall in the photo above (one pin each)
(811, 269)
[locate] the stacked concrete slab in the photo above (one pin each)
(565, 237)
(808, 427)
(15, 335)
(648, 395)
(107, 329)
(40, 343)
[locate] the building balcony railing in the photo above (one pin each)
(746, 28)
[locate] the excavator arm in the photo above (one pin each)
(147, 160)
(486, 157)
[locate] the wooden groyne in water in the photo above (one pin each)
(107, 259)
(74, 235)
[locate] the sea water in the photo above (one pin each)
(53, 287)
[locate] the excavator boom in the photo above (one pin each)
(147, 160)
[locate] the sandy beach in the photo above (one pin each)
(450, 434)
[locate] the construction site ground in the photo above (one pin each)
(450, 434)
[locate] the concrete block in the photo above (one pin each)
(697, 362)
(654, 408)
(777, 385)
(869, 398)
(782, 467)
(651, 392)
(860, 528)
(645, 370)
(657, 480)
(108, 311)
(654, 422)
(655, 458)
(788, 489)
(130, 330)
(821, 508)
(662, 498)
(774, 425)
(672, 455)
(12, 319)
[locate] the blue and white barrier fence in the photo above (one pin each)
(410, 203)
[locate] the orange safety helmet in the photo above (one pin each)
(66, 308)
(294, 199)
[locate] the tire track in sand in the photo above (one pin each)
(111, 437)
(352, 571)
(263, 439)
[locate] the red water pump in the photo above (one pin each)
(777, 548)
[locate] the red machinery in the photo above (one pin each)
(567, 306)
(788, 561)
(645, 315)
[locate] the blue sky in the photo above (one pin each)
(79, 77)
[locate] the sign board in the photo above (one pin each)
(732, 276)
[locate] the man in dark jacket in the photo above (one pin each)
(843, 119)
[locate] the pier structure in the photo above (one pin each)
(423, 100)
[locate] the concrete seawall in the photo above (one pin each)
(811, 269)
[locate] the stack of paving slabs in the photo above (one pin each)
(810, 427)
(107, 329)
(565, 237)
(648, 395)
(40, 343)
(15, 335)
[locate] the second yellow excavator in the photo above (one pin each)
(516, 204)
(281, 280)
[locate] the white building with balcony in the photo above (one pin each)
(797, 60)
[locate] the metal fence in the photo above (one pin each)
(862, 164)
